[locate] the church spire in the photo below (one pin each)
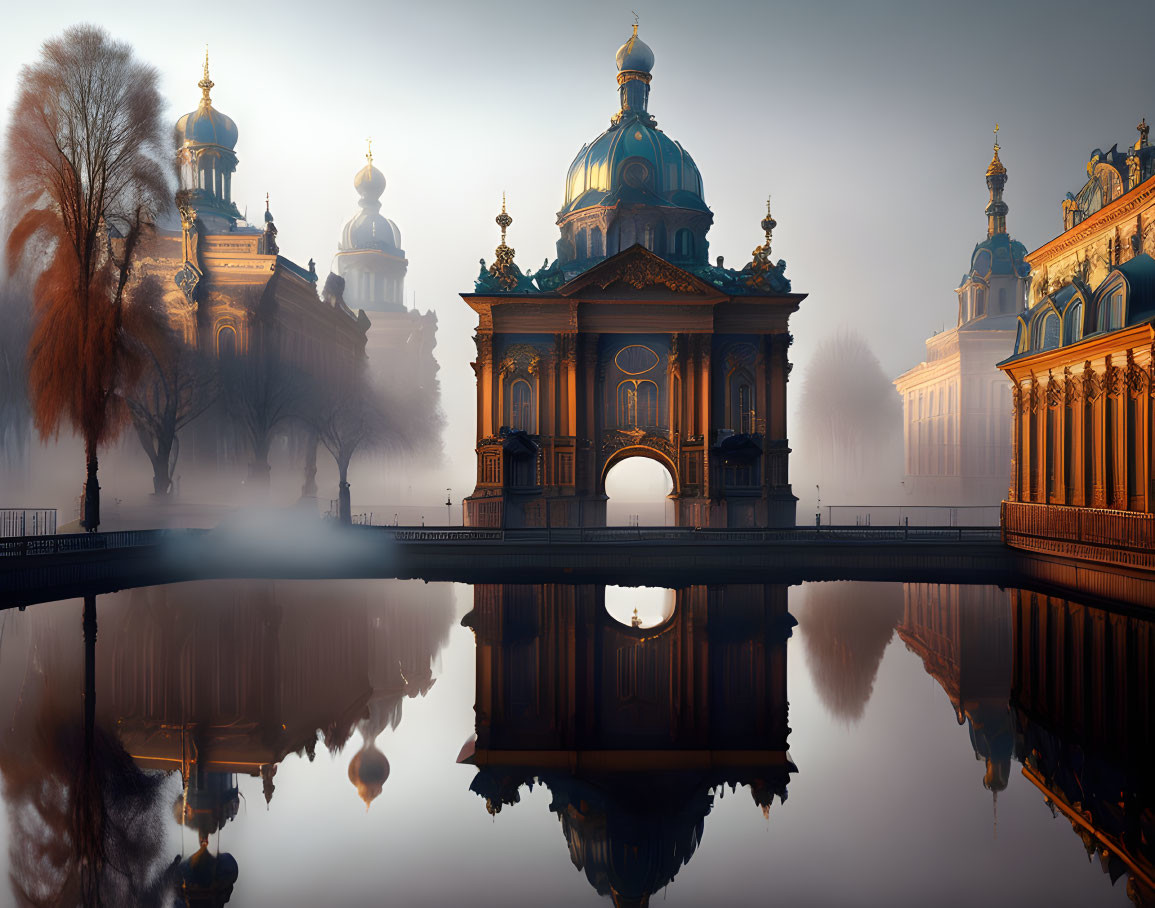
(206, 84)
(996, 180)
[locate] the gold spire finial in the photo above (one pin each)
(266, 202)
(635, 22)
(503, 268)
(503, 220)
(206, 84)
(369, 153)
(996, 166)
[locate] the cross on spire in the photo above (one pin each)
(369, 153)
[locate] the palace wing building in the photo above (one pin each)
(1081, 483)
(631, 344)
(957, 435)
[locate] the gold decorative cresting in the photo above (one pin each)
(760, 264)
(996, 166)
(503, 270)
(206, 84)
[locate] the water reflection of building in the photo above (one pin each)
(1082, 373)
(1084, 702)
(958, 442)
(630, 728)
(1067, 690)
(217, 680)
(963, 636)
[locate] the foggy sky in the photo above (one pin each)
(869, 122)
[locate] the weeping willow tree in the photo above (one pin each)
(84, 181)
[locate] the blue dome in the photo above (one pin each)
(633, 161)
(635, 55)
(998, 255)
(206, 126)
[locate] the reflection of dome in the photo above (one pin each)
(369, 229)
(368, 771)
(206, 879)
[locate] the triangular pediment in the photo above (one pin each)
(637, 270)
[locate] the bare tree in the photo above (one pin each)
(176, 386)
(262, 392)
(84, 174)
(349, 416)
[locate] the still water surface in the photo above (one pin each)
(830, 744)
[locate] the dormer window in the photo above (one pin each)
(1111, 310)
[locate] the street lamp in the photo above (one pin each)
(818, 506)
(448, 507)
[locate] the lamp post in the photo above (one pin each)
(449, 507)
(818, 506)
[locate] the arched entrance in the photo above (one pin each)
(632, 357)
(639, 488)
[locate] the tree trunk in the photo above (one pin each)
(309, 489)
(344, 501)
(259, 468)
(90, 519)
(161, 472)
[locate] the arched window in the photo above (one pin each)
(520, 406)
(597, 242)
(1048, 332)
(628, 404)
(745, 409)
(647, 403)
(226, 342)
(684, 244)
(581, 240)
(980, 302)
(648, 236)
(1111, 311)
(1073, 323)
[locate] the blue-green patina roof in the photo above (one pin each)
(997, 255)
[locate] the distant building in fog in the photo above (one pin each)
(957, 403)
(1082, 373)
(372, 265)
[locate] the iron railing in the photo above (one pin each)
(27, 522)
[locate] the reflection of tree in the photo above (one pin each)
(846, 628)
(15, 415)
(86, 822)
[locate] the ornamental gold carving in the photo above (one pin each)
(616, 439)
(1054, 391)
(520, 358)
(1113, 381)
(1134, 377)
(646, 272)
(1017, 398)
(1092, 386)
(1071, 386)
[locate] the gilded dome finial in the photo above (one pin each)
(206, 84)
(369, 153)
(635, 12)
(996, 166)
(503, 270)
(760, 267)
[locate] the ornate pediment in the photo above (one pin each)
(638, 269)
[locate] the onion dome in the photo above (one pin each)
(633, 166)
(369, 229)
(635, 55)
(206, 125)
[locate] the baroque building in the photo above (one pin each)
(1081, 369)
(228, 290)
(631, 344)
(957, 439)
